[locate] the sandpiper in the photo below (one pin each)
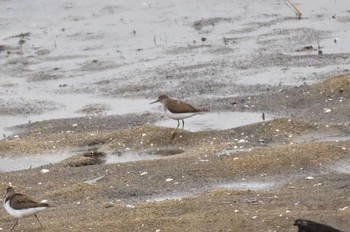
(176, 109)
(19, 205)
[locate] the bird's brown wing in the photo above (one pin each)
(181, 107)
(21, 201)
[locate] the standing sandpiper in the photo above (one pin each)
(19, 205)
(177, 110)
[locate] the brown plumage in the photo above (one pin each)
(20, 205)
(177, 106)
(21, 201)
(176, 109)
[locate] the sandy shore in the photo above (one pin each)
(259, 177)
(79, 88)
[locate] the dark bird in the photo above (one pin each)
(310, 226)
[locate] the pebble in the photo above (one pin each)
(109, 205)
(44, 170)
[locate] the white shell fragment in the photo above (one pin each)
(309, 178)
(93, 181)
(44, 170)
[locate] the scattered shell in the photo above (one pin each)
(326, 110)
(44, 170)
(309, 178)
(93, 181)
(169, 179)
(44, 201)
(144, 173)
(75, 125)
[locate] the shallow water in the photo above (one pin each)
(8, 164)
(216, 121)
(162, 45)
(322, 138)
(72, 104)
(237, 185)
(129, 157)
(249, 185)
(342, 166)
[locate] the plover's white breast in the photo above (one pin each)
(178, 116)
(20, 213)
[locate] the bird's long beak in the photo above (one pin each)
(154, 101)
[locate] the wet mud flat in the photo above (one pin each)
(258, 177)
(76, 93)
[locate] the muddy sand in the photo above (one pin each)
(76, 82)
(259, 177)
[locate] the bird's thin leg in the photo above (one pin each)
(15, 224)
(178, 124)
(183, 124)
(38, 220)
(174, 134)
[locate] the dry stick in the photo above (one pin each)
(295, 9)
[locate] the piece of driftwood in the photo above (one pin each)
(310, 226)
(294, 8)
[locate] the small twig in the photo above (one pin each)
(294, 8)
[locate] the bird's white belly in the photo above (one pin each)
(178, 116)
(20, 213)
